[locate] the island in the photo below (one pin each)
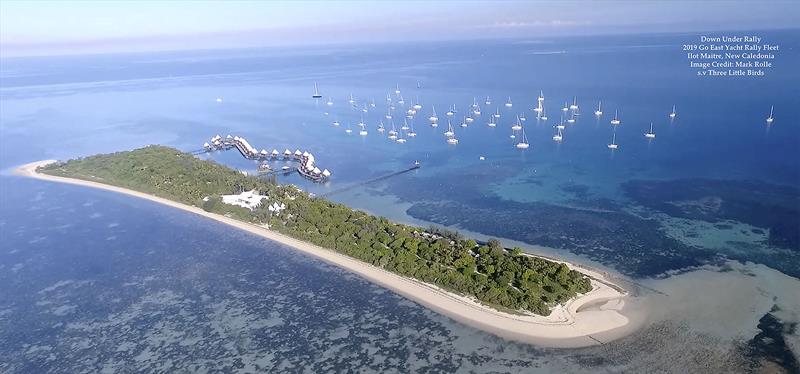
(503, 291)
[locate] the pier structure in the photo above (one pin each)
(306, 162)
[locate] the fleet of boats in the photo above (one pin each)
(570, 114)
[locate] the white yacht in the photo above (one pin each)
(497, 113)
(351, 100)
(574, 105)
(417, 105)
(469, 120)
(543, 117)
(770, 118)
(613, 144)
(449, 131)
(393, 132)
(474, 102)
(558, 136)
(517, 126)
(650, 134)
(673, 114)
(599, 111)
(348, 130)
(330, 101)
(522, 117)
(411, 133)
(451, 111)
(397, 89)
(477, 111)
(363, 131)
(316, 94)
(560, 125)
(405, 126)
(336, 122)
(508, 103)
(464, 123)
(492, 122)
(433, 118)
(524, 143)
(615, 121)
(488, 101)
(565, 108)
(571, 118)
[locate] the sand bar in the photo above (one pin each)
(601, 315)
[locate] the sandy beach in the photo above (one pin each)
(604, 314)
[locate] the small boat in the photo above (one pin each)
(560, 125)
(488, 101)
(517, 126)
(388, 114)
(508, 103)
(363, 131)
(497, 113)
(482, 158)
(316, 94)
(522, 117)
(565, 108)
(469, 120)
(405, 125)
(411, 132)
(451, 139)
(650, 134)
(613, 144)
(449, 131)
(598, 112)
(361, 122)
(477, 111)
(769, 119)
(571, 119)
(674, 114)
(348, 130)
(433, 118)
(330, 101)
(364, 109)
(512, 136)
(543, 117)
(451, 111)
(615, 121)
(393, 132)
(558, 136)
(336, 123)
(464, 123)
(401, 140)
(574, 105)
(524, 143)
(372, 103)
(417, 105)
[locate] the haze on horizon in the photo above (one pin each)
(83, 27)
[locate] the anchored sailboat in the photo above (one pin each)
(598, 112)
(673, 114)
(574, 105)
(508, 103)
(524, 143)
(517, 126)
(433, 118)
(650, 134)
(770, 119)
(316, 94)
(613, 144)
(558, 136)
(449, 131)
(615, 121)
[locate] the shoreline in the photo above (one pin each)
(587, 320)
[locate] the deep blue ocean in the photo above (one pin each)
(93, 281)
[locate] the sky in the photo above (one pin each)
(76, 27)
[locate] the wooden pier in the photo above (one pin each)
(373, 180)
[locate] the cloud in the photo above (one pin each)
(534, 23)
